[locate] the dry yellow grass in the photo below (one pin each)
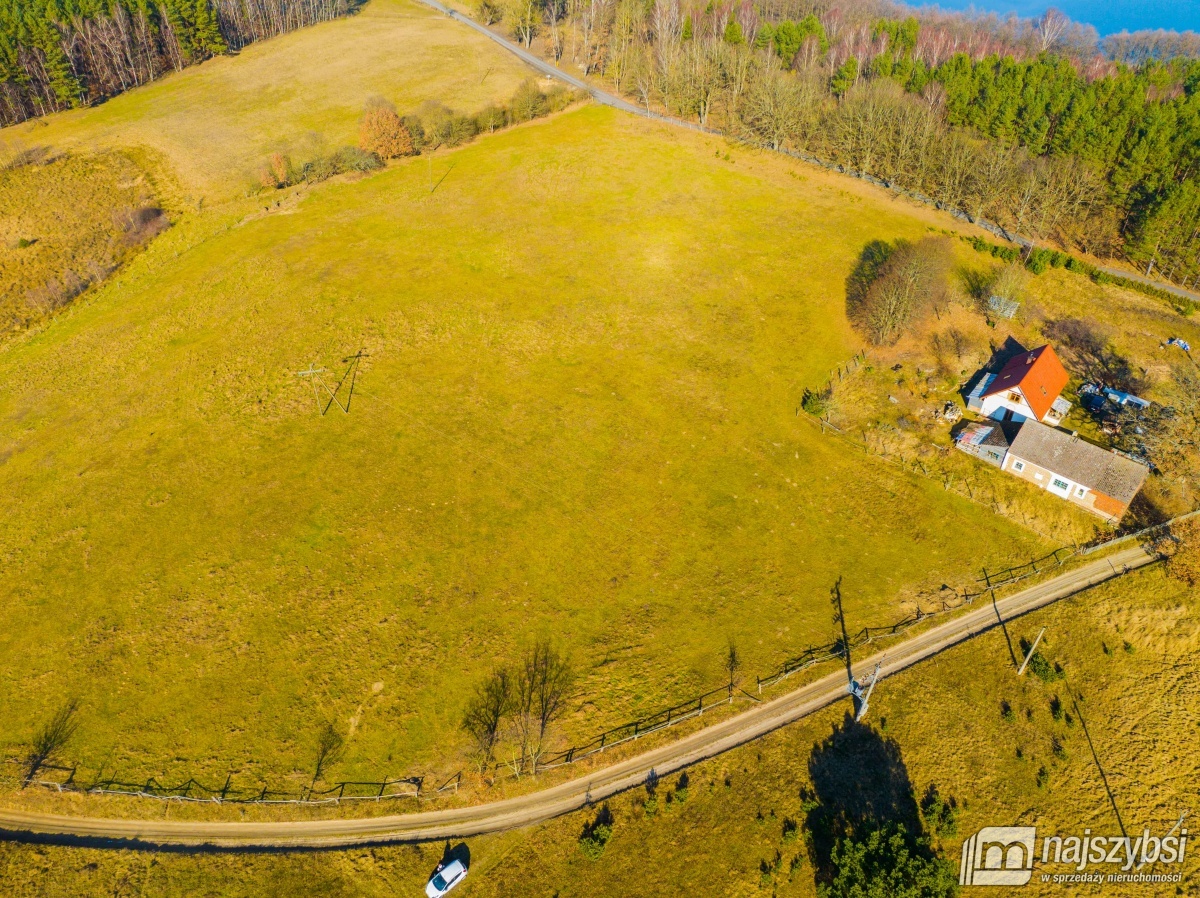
(944, 723)
(300, 93)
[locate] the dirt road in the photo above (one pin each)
(565, 797)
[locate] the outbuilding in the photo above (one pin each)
(1100, 480)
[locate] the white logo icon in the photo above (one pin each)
(998, 856)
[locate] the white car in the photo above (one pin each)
(447, 877)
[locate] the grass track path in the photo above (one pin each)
(555, 801)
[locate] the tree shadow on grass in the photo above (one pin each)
(873, 257)
(860, 785)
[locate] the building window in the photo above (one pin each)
(1018, 466)
(1014, 396)
(1081, 491)
(1061, 484)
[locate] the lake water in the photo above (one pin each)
(1109, 16)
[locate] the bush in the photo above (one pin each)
(383, 133)
(1042, 669)
(281, 173)
(597, 834)
(681, 788)
(141, 224)
(941, 814)
(491, 118)
(527, 103)
(351, 159)
(887, 861)
(815, 402)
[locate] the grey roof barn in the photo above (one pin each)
(1098, 469)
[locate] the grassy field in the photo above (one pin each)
(301, 93)
(576, 418)
(1128, 651)
(65, 224)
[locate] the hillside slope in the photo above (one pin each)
(576, 418)
(300, 93)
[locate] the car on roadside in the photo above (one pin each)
(446, 877)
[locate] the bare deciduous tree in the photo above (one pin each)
(492, 702)
(1050, 27)
(911, 281)
(544, 681)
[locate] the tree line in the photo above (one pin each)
(1031, 127)
(58, 54)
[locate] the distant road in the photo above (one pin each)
(540, 64)
(554, 801)
(607, 99)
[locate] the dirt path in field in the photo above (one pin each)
(578, 793)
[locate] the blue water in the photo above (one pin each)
(1109, 16)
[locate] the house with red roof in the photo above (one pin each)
(1027, 388)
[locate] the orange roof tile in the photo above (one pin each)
(1038, 374)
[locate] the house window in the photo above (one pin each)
(1018, 466)
(1081, 491)
(1061, 484)
(1014, 396)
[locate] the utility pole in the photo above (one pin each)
(314, 373)
(1029, 654)
(862, 692)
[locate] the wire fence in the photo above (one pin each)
(929, 605)
(945, 600)
(413, 787)
(193, 790)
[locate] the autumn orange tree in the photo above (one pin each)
(384, 134)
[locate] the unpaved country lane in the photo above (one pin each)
(556, 800)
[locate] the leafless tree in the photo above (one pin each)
(544, 681)
(1050, 27)
(912, 280)
(774, 105)
(492, 702)
(51, 739)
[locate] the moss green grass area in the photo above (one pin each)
(575, 417)
(940, 724)
(301, 93)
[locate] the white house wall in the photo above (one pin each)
(996, 405)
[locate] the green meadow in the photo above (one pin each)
(575, 417)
